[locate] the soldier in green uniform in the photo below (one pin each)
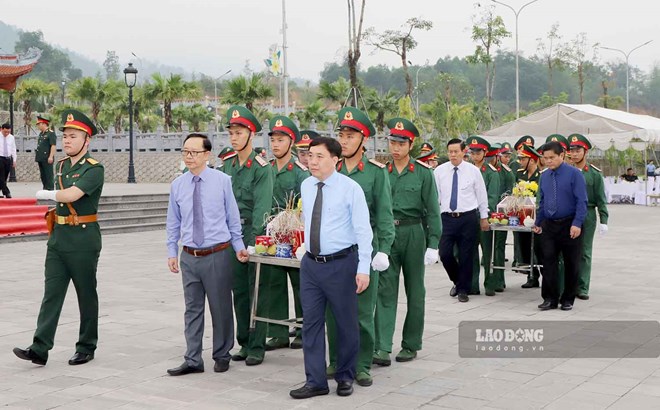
(354, 130)
(302, 146)
(596, 203)
(414, 207)
(74, 245)
(261, 151)
(427, 154)
(507, 181)
(225, 154)
(480, 152)
(45, 152)
(515, 166)
(252, 183)
(528, 171)
(288, 173)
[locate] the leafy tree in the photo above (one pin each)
(381, 105)
(111, 65)
(335, 93)
(115, 105)
(332, 72)
(54, 64)
(169, 89)
(608, 101)
(580, 56)
(196, 116)
(354, 39)
(88, 90)
(399, 42)
(243, 90)
(547, 100)
(314, 111)
(549, 55)
(29, 92)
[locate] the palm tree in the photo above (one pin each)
(314, 111)
(336, 93)
(90, 90)
(29, 92)
(244, 91)
(170, 89)
(115, 105)
(381, 105)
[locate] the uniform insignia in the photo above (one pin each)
(506, 167)
(492, 167)
(340, 163)
(75, 175)
(389, 167)
(543, 170)
(411, 167)
(348, 116)
(278, 123)
(399, 126)
(232, 155)
(63, 159)
(305, 137)
(360, 165)
(554, 139)
(528, 140)
(474, 142)
(92, 161)
(521, 170)
(69, 118)
(248, 163)
(301, 166)
(235, 114)
(483, 168)
(272, 162)
(289, 167)
(574, 139)
(261, 160)
(376, 163)
(424, 164)
(595, 167)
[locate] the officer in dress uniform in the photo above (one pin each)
(414, 207)
(596, 203)
(302, 146)
(74, 246)
(45, 152)
(427, 154)
(507, 181)
(480, 152)
(288, 173)
(252, 183)
(225, 154)
(529, 157)
(354, 130)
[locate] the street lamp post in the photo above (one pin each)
(130, 77)
(517, 13)
(215, 93)
(627, 56)
(63, 88)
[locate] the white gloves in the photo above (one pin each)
(602, 229)
(251, 250)
(380, 262)
(43, 194)
(431, 256)
(300, 252)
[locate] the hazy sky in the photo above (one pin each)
(213, 36)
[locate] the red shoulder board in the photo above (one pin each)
(248, 163)
(360, 165)
(389, 167)
(289, 167)
(411, 167)
(272, 162)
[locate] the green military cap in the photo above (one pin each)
(427, 152)
(476, 143)
(506, 148)
(402, 129)
(77, 120)
(558, 138)
(494, 150)
(238, 115)
(284, 125)
(355, 119)
(579, 140)
(306, 136)
(43, 120)
(528, 151)
(524, 140)
(226, 152)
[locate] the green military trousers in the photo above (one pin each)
(498, 281)
(278, 298)
(46, 175)
(62, 267)
(407, 255)
(588, 230)
(485, 241)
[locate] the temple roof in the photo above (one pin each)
(12, 66)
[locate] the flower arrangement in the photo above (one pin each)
(525, 189)
(520, 205)
(286, 227)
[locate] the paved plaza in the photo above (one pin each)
(141, 335)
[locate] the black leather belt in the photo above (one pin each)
(404, 222)
(337, 255)
(459, 214)
(562, 220)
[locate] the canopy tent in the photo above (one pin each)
(604, 127)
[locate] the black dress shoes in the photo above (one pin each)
(583, 297)
(453, 292)
(566, 306)
(547, 305)
(81, 358)
(253, 361)
(28, 354)
(344, 388)
(221, 366)
(306, 392)
(184, 369)
(530, 284)
(462, 297)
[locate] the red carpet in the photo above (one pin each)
(21, 216)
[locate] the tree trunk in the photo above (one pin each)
(352, 74)
(550, 85)
(409, 83)
(27, 116)
(581, 82)
(167, 111)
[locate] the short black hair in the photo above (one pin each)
(331, 144)
(205, 140)
(6, 126)
(456, 141)
(553, 146)
(629, 169)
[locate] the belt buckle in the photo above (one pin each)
(455, 214)
(321, 259)
(195, 253)
(397, 222)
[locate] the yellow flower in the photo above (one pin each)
(534, 186)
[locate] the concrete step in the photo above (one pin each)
(108, 214)
(134, 228)
(134, 198)
(133, 220)
(133, 205)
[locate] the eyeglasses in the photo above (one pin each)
(194, 154)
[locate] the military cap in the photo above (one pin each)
(476, 143)
(42, 120)
(306, 136)
(579, 140)
(427, 152)
(284, 125)
(524, 140)
(226, 152)
(355, 119)
(528, 151)
(238, 115)
(558, 138)
(506, 148)
(494, 150)
(77, 120)
(402, 129)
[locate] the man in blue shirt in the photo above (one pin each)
(334, 269)
(559, 219)
(203, 214)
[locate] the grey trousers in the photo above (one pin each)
(208, 277)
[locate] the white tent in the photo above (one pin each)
(604, 127)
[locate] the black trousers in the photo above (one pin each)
(556, 239)
(459, 232)
(5, 170)
(526, 256)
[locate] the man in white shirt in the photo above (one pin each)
(463, 206)
(7, 158)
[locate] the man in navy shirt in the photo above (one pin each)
(561, 213)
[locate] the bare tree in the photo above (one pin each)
(399, 42)
(354, 37)
(549, 54)
(580, 56)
